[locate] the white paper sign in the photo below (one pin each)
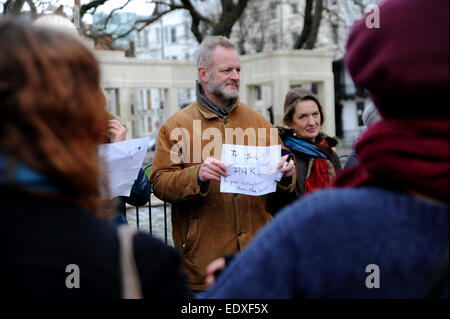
(251, 169)
(122, 161)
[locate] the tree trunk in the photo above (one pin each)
(307, 25)
(231, 13)
(312, 38)
(13, 7)
(311, 24)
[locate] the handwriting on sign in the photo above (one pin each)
(243, 170)
(254, 188)
(251, 169)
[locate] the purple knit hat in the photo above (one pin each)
(404, 62)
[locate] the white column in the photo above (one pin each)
(326, 96)
(171, 102)
(249, 99)
(280, 89)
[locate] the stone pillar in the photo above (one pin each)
(171, 102)
(280, 89)
(249, 97)
(326, 96)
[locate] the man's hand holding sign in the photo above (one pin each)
(247, 170)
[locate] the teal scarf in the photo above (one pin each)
(302, 146)
(25, 176)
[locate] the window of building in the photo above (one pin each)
(112, 101)
(349, 85)
(149, 99)
(132, 103)
(334, 30)
(258, 93)
(133, 129)
(258, 44)
(158, 35)
(360, 110)
(274, 42)
(255, 15)
(167, 34)
(294, 37)
(150, 124)
(186, 32)
(273, 10)
(294, 8)
(146, 42)
(173, 35)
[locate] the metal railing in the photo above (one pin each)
(150, 226)
(147, 170)
(150, 217)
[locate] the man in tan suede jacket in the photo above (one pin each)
(206, 223)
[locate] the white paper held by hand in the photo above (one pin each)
(251, 169)
(121, 162)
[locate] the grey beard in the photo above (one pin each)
(218, 90)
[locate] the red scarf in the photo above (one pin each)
(406, 154)
(322, 173)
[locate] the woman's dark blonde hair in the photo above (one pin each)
(293, 97)
(53, 114)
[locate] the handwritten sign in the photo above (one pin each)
(251, 169)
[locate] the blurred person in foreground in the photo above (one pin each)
(317, 162)
(53, 119)
(383, 231)
(116, 132)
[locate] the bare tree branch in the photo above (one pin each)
(112, 12)
(201, 24)
(91, 5)
(142, 23)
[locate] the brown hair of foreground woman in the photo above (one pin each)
(53, 111)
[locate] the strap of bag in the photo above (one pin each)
(131, 286)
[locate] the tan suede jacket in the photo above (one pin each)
(207, 224)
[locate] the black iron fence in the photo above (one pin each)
(150, 217)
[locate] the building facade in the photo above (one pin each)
(128, 84)
(266, 26)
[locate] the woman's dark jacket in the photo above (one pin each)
(43, 235)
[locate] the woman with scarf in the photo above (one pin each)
(317, 163)
(383, 230)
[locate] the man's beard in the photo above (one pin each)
(219, 90)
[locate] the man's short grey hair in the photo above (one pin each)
(207, 47)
